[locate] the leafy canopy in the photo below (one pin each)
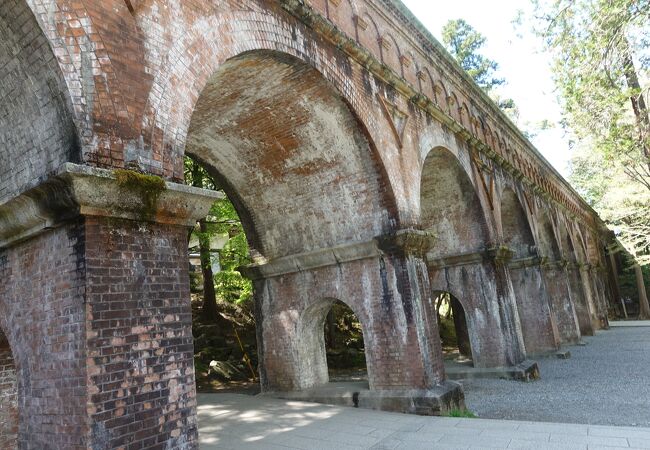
(600, 65)
(464, 43)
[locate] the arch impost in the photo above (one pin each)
(500, 254)
(557, 264)
(533, 261)
(407, 242)
(77, 190)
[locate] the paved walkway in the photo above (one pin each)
(232, 421)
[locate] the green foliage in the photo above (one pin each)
(600, 53)
(465, 413)
(223, 219)
(464, 44)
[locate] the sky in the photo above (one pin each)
(524, 66)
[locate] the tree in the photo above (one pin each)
(227, 284)
(464, 44)
(599, 50)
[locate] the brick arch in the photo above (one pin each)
(515, 224)
(547, 240)
(390, 53)
(37, 132)
(311, 323)
(468, 339)
(195, 55)
(9, 413)
(302, 165)
(450, 205)
(368, 33)
(343, 14)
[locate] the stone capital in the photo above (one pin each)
(407, 242)
(77, 190)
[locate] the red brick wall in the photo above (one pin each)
(42, 312)
(139, 336)
(8, 398)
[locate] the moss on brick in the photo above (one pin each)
(148, 187)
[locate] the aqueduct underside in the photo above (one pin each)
(367, 167)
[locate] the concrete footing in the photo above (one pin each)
(525, 371)
(438, 400)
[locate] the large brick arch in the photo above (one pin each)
(516, 230)
(450, 205)
(290, 149)
(184, 67)
(37, 132)
(533, 304)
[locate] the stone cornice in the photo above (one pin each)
(76, 190)
(409, 242)
(500, 255)
(311, 260)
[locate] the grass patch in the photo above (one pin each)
(466, 413)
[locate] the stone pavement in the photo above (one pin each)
(233, 421)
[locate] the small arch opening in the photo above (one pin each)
(8, 396)
(344, 344)
(454, 330)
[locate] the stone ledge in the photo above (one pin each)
(402, 241)
(500, 255)
(438, 400)
(524, 371)
(76, 190)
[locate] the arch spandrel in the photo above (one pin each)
(37, 131)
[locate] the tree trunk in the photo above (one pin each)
(209, 310)
(644, 307)
(638, 103)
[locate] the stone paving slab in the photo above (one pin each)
(233, 421)
(630, 323)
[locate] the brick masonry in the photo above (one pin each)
(328, 123)
(8, 397)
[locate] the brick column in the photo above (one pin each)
(538, 325)
(96, 293)
(482, 284)
(580, 300)
(562, 308)
(385, 283)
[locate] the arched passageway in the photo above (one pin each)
(454, 331)
(8, 397)
(557, 281)
(538, 325)
(460, 261)
(344, 344)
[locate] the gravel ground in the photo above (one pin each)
(606, 382)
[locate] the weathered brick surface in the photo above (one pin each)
(8, 397)
(328, 123)
(139, 357)
(42, 313)
(36, 129)
(485, 292)
(390, 296)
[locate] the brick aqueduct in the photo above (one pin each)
(366, 166)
